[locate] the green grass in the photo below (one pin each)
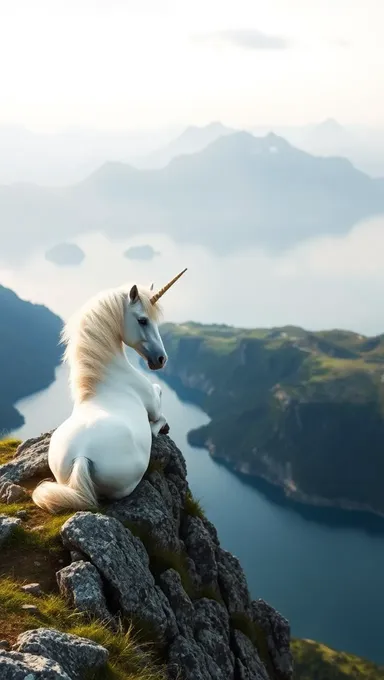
(8, 449)
(193, 507)
(45, 538)
(316, 661)
(127, 659)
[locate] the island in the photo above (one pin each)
(303, 410)
(29, 353)
(65, 255)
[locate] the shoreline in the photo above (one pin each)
(294, 494)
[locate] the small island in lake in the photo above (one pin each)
(29, 353)
(65, 255)
(303, 410)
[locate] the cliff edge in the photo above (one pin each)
(140, 589)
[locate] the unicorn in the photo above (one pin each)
(103, 448)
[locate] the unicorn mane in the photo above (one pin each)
(94, 335)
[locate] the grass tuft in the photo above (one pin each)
(127, 659)
(8, 449)
(193, 507)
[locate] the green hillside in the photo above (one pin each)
(314, 661)
(304, 410)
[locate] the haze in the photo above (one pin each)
(123, 64)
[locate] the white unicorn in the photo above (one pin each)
(103, 448)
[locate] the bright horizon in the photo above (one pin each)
(119, 65)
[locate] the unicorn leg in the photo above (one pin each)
(157, 419)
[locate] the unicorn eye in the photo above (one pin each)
(143, 321)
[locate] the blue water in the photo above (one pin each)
(323, 569)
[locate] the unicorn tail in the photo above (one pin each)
(78, 494)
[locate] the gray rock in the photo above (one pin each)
(187, 661)
(7, 526)
(201, 550)
(4, 644)
(278, 636)
(22, 514)
(233, 584)
(80, 583)
(113, 550)
(75, 655)
(248, 664)
(30, 460)
(12, 493)
(15, 666)
(146, 508)
(32, 588)
(212, 634)
(170, 583)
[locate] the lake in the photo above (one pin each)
(322, 569)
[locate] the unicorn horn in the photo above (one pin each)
(161, 292)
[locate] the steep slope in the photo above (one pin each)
(29, 353)
(303, 410)
(239, 191)
(146, 569)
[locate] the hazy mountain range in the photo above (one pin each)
(59, 159)
(240, 190)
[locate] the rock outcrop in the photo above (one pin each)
(154, 560)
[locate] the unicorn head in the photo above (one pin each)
(140, 324)
(94, 335)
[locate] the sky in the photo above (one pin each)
(142, 64)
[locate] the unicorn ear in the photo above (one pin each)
(134, 294)
(151, 288)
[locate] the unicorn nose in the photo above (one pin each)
(161, 360)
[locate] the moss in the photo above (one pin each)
(156, 465)
(255, 633)
(127, 659)
(161, 559)
(314, 660)
(193, 507)
(210, 593)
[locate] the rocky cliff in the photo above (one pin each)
(140, 589)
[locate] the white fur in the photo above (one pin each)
(103, 448)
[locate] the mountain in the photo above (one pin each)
(139, 589)
(303, 410)
(238, 192)
(192, 140)
(364, 147)
(29, 353)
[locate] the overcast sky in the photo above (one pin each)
(127, 64)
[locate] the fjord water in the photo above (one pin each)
(323, 569)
